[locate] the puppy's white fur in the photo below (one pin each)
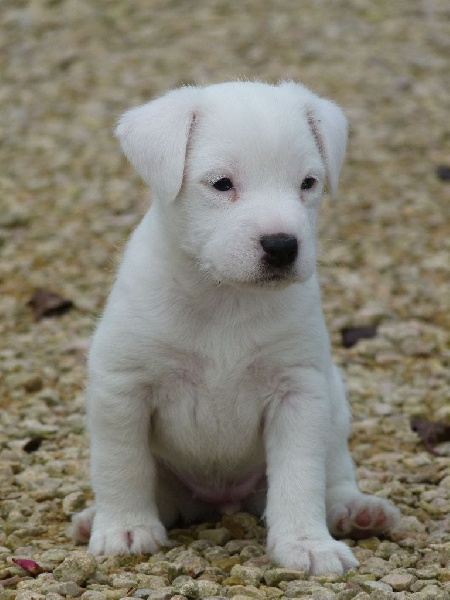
(211, 386)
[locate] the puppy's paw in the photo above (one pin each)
(316, 557)
(362, 516)
(82, 525)
(137, 539)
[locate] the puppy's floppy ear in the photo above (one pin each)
(329, 127)
(154, 138)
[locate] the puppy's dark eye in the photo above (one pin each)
(223, 185)
(308, 183)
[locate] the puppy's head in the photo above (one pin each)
(239, 170)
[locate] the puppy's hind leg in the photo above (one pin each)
(81, 526)
(350, 513)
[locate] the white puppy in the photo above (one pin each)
(211, 386)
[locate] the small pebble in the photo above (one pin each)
(73, 503)
(218, 536)
(77, 567)
(399, 581)
(275, 576)
(92, 595)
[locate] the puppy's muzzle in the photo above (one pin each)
(280, 250)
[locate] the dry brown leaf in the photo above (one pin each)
(431, 433)
(33, 444)
(48, 304)
(352, 335)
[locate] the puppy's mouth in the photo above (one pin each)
(266, 279)
(277, 279)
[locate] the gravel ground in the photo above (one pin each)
(69, 200)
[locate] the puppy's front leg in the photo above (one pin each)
(297, 431)
(123, 470)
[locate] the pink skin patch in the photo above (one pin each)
(84, 532)
(364, 520)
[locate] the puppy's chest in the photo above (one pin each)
(203, 407)
(206, 388)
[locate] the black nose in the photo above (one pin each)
(280, 249)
